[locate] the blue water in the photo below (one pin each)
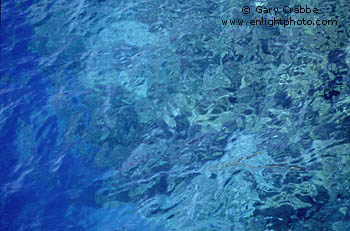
(125, 116)
(42, 186)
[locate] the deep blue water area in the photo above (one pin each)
(42, 186)
(155, 116)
